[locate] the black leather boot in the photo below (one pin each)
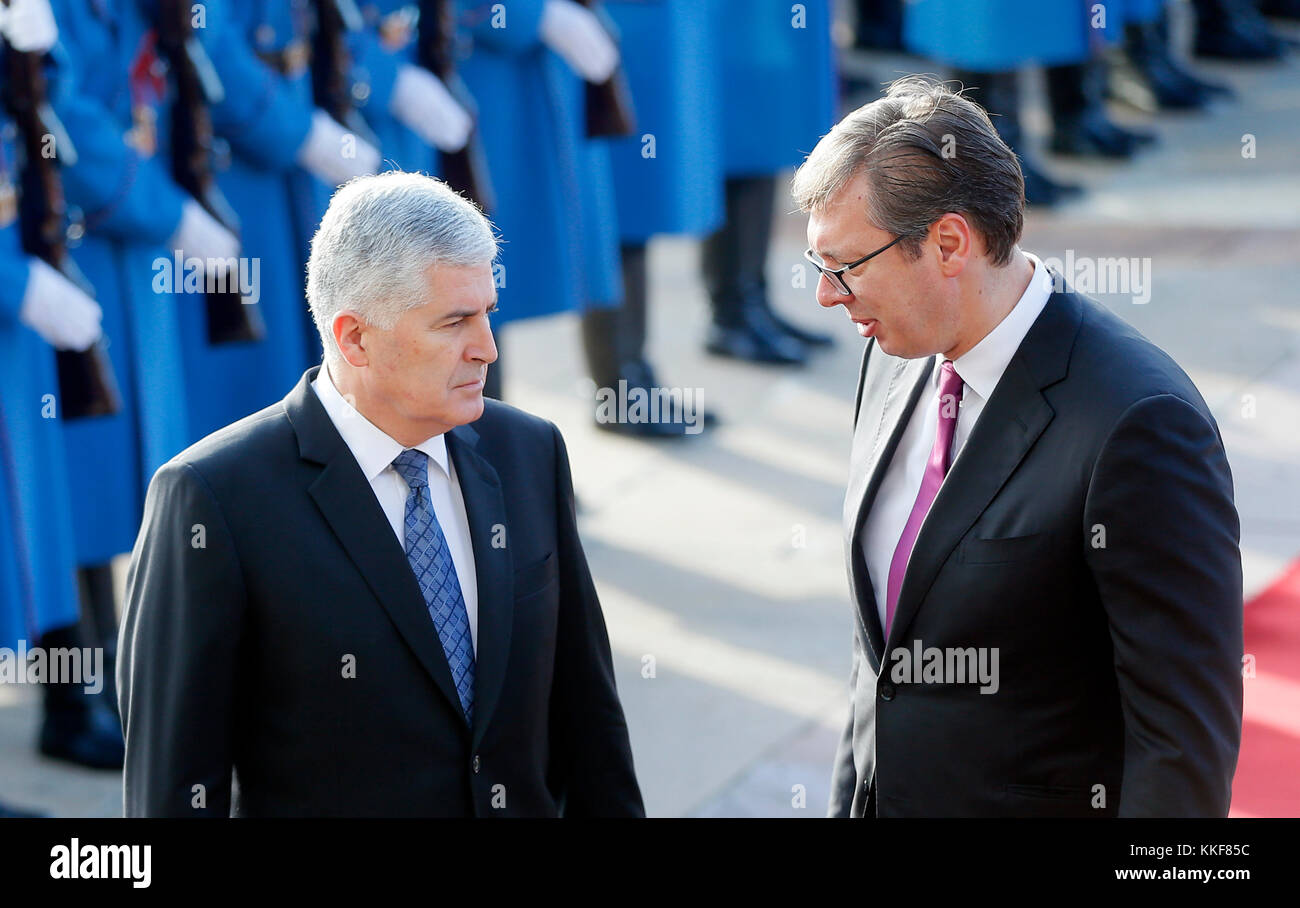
(733, 261)
(1172, 85)
(78, 726)
(615, 341)
(1080, 125)
(1234, 30)
(999, 94)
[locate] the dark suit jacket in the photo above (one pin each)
(1087, 531)
(274, 630)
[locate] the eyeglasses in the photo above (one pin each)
(837, 274)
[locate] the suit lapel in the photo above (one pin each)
(485, 506)
(1011, 422)
(353, 513)
(890, 390)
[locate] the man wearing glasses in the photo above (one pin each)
(1040, 530)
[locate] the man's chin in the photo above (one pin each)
(470, 405)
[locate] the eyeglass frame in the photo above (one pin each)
(837, 274)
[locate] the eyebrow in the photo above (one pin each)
(838, 258)
(466, 313)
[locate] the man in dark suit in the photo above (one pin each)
(1039, 525)
(370, 599)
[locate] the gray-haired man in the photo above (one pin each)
(354, 603)
(1039, 524)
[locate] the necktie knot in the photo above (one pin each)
(949, 381)
(413, 466)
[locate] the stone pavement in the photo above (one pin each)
(719, 559)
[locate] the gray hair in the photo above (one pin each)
(927, 150)
(376, 242)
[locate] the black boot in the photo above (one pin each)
(999, 94)
(78, 726)
(734, 259)
(1080, 124)
(1234, 30)
(1173, 86)
(614, 341)
(756, 286)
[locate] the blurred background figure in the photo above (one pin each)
(411, 112)
(777, 73)
(42, 310)
(667, 178)
(1155, 69)
(528, 68)
(108, 90)
(286, 135)
(985, 42)
(1237, 29)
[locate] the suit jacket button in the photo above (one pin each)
(886, 691)
(477, 764)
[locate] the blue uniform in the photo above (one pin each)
(668, 177)
(265, 116)
(378, 51)
(554, 187)
(778, 83)
(1143, 11)
(999, 35)
(37, 567)
(121, 183)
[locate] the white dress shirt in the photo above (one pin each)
(980, 369)
(375, 452)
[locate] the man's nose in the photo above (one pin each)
(828, 295)
(483, 347)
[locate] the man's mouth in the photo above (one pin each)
(866, 326)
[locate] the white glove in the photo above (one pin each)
(29, 25)
(422, 102)
(322, 152)
(201, 235)
(577, 36)
(58, 310)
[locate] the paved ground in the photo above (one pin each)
(719, 561)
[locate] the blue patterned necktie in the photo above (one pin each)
(426, 549)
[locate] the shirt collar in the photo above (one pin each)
(981, 366)
(373, 448)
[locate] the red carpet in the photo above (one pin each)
(1267, 783)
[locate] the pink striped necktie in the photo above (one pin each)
(950, 388)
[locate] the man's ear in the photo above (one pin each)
(954, 240)
(350, 336)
